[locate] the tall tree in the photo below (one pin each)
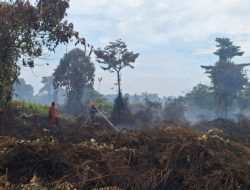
(48, 89)
(226, 49)
(200, 97)
(26, 31)
(115, 57)
(75, 72)
(48, 85)
(228, 79)
(23, 91)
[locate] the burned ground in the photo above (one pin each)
(92, 157)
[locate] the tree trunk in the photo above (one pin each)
(119, 82)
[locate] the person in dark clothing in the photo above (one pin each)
(93, 111)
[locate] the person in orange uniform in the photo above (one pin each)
(53, 118)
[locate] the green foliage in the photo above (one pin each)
(106, 104)
(26, 31)
(97, 97)
(226, 49)
(115, 57)
(201, 97)
(49, 88)
(227, 78)
(23, 91)
(243, 99)
(174, 111)
(48, 94)
(75, 72)
(30, 107)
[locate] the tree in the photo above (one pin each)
(243, 100)
(48, 87)
(227, 50)
(120, 112)
(115, 57)
(23, 91)
(200, 103)
(228, 79)
(47, 93)
(200, 97)
(75, 72)
(26, 31)
(148, 113)
(174, 111)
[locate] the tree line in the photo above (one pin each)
(27, 30)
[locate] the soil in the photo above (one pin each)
(35, 155)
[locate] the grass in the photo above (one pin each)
(106, 104)
(32, 107)
(41, 109)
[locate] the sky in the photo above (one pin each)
(174, 38)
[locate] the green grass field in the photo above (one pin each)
(41, 109)
(32, 107)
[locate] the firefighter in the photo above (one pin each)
(93, 111)
(53, 117)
